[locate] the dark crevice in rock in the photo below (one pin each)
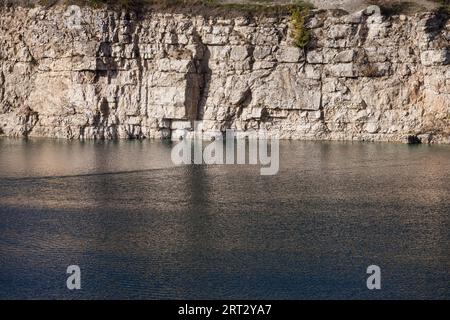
(205, 76)
(2, 83)
(363, 31)
(139, 62)
(235, 112)
(413, 139)
(435, 24)
(28, 118)
(104, 109)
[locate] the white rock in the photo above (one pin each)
(289, 54)
(435, 57)
(181, 124)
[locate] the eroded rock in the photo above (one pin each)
(119, 76)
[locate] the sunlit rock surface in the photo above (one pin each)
(106, 74)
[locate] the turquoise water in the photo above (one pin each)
(140, 227)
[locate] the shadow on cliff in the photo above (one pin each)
(436, 24)
(106, 65)
(204, 75)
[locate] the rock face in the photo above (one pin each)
(92, 73)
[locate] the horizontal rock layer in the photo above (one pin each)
(93, 73)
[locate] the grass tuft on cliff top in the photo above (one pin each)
(256, 7)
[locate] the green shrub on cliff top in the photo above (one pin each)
(300, 14)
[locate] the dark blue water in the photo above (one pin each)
(140, 227)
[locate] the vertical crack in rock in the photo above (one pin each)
(363, 31)
(2, 83)
(142, 110)
(205, 74)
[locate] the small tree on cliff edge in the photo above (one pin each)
(299, 16)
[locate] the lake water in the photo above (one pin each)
(140, 227)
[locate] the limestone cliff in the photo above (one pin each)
(107, 74)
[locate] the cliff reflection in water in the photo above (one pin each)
(140, 227)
